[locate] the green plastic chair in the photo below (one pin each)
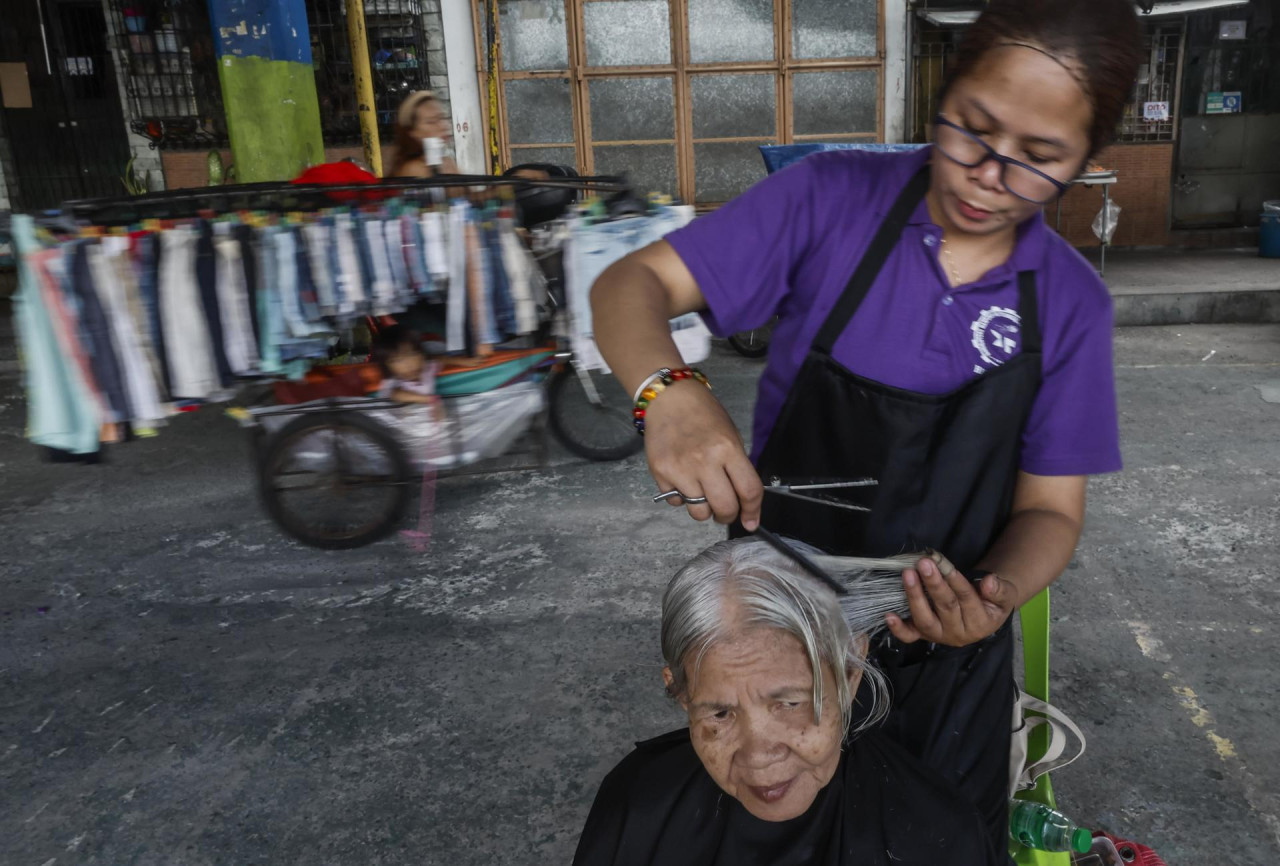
(1035, 654)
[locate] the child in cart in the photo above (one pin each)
(410, 374)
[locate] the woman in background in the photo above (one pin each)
(421, 117)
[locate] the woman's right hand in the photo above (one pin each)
(693, 446)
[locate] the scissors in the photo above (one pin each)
(812, 492)
(806, 492)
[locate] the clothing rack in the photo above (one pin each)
(283, 197)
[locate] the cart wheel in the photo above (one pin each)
(753, 344)
(592, 421)
(335, 480)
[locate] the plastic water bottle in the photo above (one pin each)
(1035, 825)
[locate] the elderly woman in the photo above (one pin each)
(760, 657)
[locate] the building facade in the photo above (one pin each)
(1194, 153)
(678, 93)
(111, 81)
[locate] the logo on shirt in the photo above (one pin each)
(995, 335)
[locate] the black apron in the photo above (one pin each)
(947, 466)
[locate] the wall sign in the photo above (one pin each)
(1227, 102)
(15, 89)
(1155, 111)
(1232, 30)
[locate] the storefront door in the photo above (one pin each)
(70, 143)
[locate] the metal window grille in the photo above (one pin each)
(397, 55)
(932, 53)
(165, 51)
(1152, 111)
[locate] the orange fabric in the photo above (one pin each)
(464, 364)
(368, 373)
(328, 376)
(348, 383)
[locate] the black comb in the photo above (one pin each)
(805, 562)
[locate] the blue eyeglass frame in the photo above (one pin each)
(1004, 161)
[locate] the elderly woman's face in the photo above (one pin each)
(751, 722)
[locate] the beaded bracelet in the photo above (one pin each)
(653, 377)
(659, 382)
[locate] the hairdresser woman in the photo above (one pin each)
(933, 335)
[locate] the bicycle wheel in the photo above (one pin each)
(335, 481)
(753, 344)
(591, 415)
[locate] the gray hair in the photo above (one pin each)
(768, 589)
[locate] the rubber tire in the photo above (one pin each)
(298, 530)
(560, 426)
(758, 350)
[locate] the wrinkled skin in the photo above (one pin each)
(751, 722)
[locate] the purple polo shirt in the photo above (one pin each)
(789, 245)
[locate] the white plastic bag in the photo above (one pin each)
(1104, 224)
(1028, 714)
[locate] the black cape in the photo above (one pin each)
(659, 807)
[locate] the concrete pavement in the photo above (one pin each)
(1172, 287)
(181, 685)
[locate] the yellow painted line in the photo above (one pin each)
(1261, 798)
(1224, 747)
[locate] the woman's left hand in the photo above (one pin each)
(951, 610)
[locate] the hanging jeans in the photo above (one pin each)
(127, 274)
(146, 260)
(375, 255)
(317, 236)
(95, 332)
(63, 411)
(206, 279)
(349, 277)
(144, 400)
(437, 229)
(308, 296)
(504, 311)
(393, 237)
(295, 338)
(419, 278)
(456, 310)
(249, 257)
(484, 331)
(233, 300)
(519, 267)
(192, 366)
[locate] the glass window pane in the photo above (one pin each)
(833, 28)
(539, 110)
(533, 34)
(722, 170)
(627, 32)
(651, 167)
(749, 38)
(835, 103)
(732, 106)
(553, 155)
(632, 109)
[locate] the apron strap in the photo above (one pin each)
(886, 238)
(1029, 311)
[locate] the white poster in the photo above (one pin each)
(1232, 30)
(1155, 111)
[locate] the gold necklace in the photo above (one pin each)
(951, 262)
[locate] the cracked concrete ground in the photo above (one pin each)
(179, 684)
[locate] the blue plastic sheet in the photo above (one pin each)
(779, 156)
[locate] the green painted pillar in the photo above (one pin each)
(268, 87)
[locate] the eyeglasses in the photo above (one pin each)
(961, 146)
